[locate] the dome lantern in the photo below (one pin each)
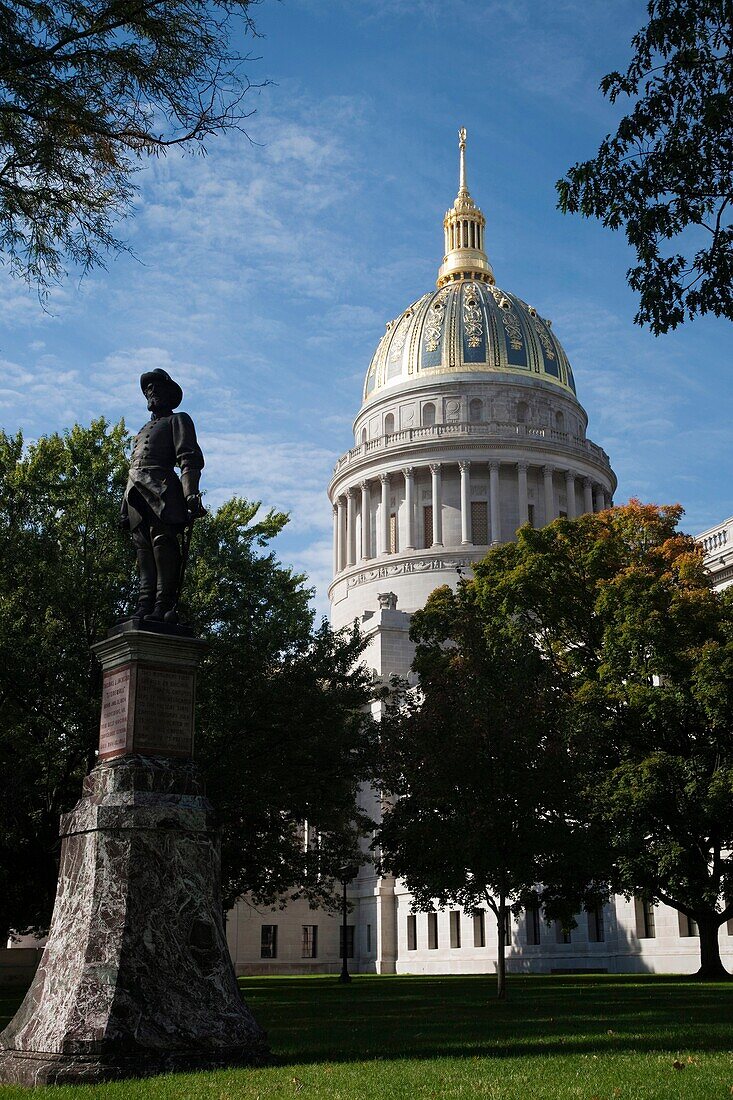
(464, 226)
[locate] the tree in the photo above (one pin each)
(65, 578)
(621, 604)
(283, 735)
(86, 90)
(475, 764)
(666, 175)
(279, 730)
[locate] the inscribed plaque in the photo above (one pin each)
(115, 711)
(164, 711)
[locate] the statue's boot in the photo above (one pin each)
(167, 555)
(148, 575)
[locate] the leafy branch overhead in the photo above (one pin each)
(666, 175)
(87, 88)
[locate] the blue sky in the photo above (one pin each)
(264, 272)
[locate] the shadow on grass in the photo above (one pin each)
(317, 1019)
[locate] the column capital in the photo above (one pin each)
(522, 466)
(384, 478)
(570, 475)
(588, 481)
(408, 471)
(335, 508)
(364, 486)
(434, 467)
(464, 466)
(548, 470)
(494, 466)
(351, 492)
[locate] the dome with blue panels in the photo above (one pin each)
(468, 325)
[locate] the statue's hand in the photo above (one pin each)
(194, 506)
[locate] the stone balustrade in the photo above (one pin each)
(493, 430)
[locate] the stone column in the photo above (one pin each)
(384, 478)
(409, 475)
(350, 526)
(437, 487)
(341, 506)
(599, 499)
(365, 520)
(466, 532)
(570, 493)
(494, 501)
(335, 540)
(587, 495)
(523, 498)
(547, 472)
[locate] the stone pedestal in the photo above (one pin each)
(136, 978)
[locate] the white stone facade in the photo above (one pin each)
(469, 428)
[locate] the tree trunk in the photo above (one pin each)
(501, 949)
(711, 968)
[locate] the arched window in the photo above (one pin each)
(522, 412)
(363, 435)
(476, 410)
(428, 415)
(560, 421)
(389, 424)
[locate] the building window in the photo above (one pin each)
(559, 422)
(479, 523)
(522, 411)
(563, 515)
(688, 926)
(476, 410)
(479, 928)
(432, 931)
(309, 943)
(645, 923)
(596, 926)
(428, 415)
(530, 514)
(369, 939)
(427, 526)
(393, 547)
(349, 941)
(455, 928)
(507, 929)
(268, 941)
(412, 932)
(561, 936)
(389, 424)
(533, 921)
(363, 436)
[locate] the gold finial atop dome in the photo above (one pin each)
(464, 226)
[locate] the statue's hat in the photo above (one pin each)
(159, 375)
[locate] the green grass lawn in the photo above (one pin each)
(557, 1038)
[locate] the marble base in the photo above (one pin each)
(136, 978)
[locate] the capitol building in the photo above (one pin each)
(469, 427)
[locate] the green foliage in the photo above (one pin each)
(666, 175)
(475, 759)
(621, 606)
(87, 88)
(66, 574)
(281, 736)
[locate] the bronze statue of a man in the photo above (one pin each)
(158, 505)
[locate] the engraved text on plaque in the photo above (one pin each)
(164, 700)
(115, 710)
